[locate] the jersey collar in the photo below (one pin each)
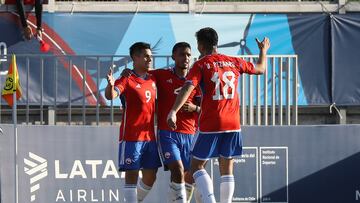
(173, 71)
(145, 77)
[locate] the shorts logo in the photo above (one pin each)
(128, 161)
(167, 155)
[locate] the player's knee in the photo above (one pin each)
(226, 166)
(149, 177)
(195, 166)
(188, 177)
(131, 177)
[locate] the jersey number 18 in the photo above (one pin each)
(225, 86)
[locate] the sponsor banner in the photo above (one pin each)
(279, 164)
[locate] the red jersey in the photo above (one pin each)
(138, 98)
(168, 86)
(217, 75)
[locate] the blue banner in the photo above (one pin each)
(315, 38)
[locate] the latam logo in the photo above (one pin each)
(36, 168)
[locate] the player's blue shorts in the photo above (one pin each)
(175, 146)
(138, 155)
(211, 145)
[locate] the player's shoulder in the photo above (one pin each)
(200, 62)
(167, 70)
(226, 57)
(161, 71)
(228, 61)
(152, 77)
(123, 79)
(213, 58)
(202, 59)
(122, 82)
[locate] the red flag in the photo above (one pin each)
(12, 83)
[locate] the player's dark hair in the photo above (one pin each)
(207, 37)
(180, 45)
(137, 47)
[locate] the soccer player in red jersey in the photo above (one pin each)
(175, 145)
(137, 146)
(219, 122)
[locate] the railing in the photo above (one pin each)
(271, 98)
(68, 90)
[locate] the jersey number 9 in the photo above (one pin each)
(147, 95)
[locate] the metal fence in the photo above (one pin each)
(271, 98)
(68, 90)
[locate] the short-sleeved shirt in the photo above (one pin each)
(217, 75)
(168, 86)
(138, 98)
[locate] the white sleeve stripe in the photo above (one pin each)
(117, 90)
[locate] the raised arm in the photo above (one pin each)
(110, 92)
(261, 63)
